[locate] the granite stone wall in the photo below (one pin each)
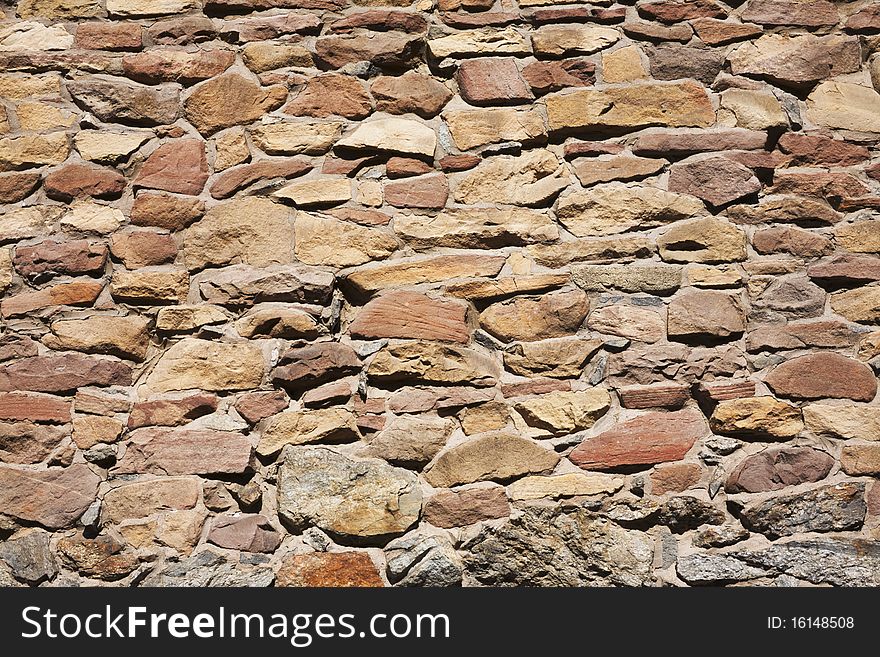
(438, 293)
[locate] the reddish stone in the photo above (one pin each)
(670, 11)
(342, 167)
(402, 167)
(675, 62)
(386, 50)
(171, 412)
(331, 94)
(823, 375)
(419, 400)
(177, 166)
(49, 258)
(778, 467)
(109, 36)
(382, 20)
(63, 373)
(808, 150)
(577, 149)
(306, 367)
(465, 20)
(760, 161)
(458, 508)
(657, 32)
(578, 14)
(78, 180)
(165, 211)
(28, 443)
(872, 497)
(469, 5)
(34, 407)
(429, 191)
(185, 451)
(790, 239)
(53, 498)
(329, 569)
(264, 28)
(16, 346)
(16, 186)
(537, 386)
(103, 556)
(453, 163)
(675, 478)
(251, 533)
(256, 406)
(800, 334)
(402, 314)
(716, 180)
(143, 248)
(724, 389)
(831, 186)
(873, 171)
(659, 395)
(866, 20)
(492, 81)
(78, 293)
(544, 77)
(336, 392)
(411, 92)
(237, 178)
(715, 32)
(644, 440)
(182, 31)
(361, 216)
(684, 143)
(173, 65)
(846, 269)
(791, 12)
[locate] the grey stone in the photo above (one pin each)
(715, 569)
(422, 560)
(29, 557)
(208, 568)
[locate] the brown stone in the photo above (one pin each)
(789, 239)
(331, 94)
(846, 269)
(809, 150)
(426, 192)
(381, 20)
(369, 279)
(716, 391)
(465, 506)
(15, 186)
(835, 187)
(25, 442)
(860, 460)
(823, 375)
(33, 407)
(256, 406)
(143, 248)
(305, 367)
(329, 569)
(805, 333)
(492, 81)
(791, 12)
(78, 293)
(177, 166)
(616, 167)
(675, 478)
(402, 314)
(63, 373)
(778, 467)
(534, 318)
(173, 65)
(694, 313)
(389, 50)
(716, 180)
(656, 395)
(237, 178)
(644, 440)
(866, 20)
(679, 143)
(165, 211)
(785, 210)
(171, 412)
(114, 99)
(675, 62)
(262, 28)
(410, 92)
(403, 167)
(674, 11)
(657, 32)
(109, 36)
(103, 556)
(229, 100)
(83, 180)
(53, 498)
(714, 32)
(250, 532)
(185, 451)
(49, 258)
(183, 30)
(544, 77)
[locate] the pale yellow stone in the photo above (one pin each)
(34, 220)
(313, 192)
(748, 108)
(392, 135)
(529, 179)
(91, 217)
(472, 128)
(565, 412)
(207, 365)
(859, 236)
(149, 285)
(861, 304)
(231, 146)
(31, 35)
(708, 276)
(5, 269)
(572, 39)
(33, 150)
(845, 106)
(261, 56)
(291, 138)
(109, 146)
(475, 227)
(846, 421)
(39, 116)
(90, 430)
(180, 530)
(59, 8)
(187, 318)
(322, 240)
(309, 426)
(16, 86)
(491, 41)
(572, 484)
(149, 7)
(623, 65)
(126, 337)
(369, 192)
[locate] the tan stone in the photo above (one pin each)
(31, 35)
(562, 413)
(34, 117)
(126, 337)
(572, 484)
(250, 230)
(411, 441)
(187, 318)
(476, 228)
(574, 39)
(755, 110)
(623, 65)
(551, 315)
(146, 498)
(322, 240)
(556, 357)
(292, 138)
(858, 305)
(202, 364)
(231, 148)
(706, 239)
(22, 85)
(313, 192)
(89, 217)
(391, 135)
(261, 56)
(149, 286)
(490, 416)
(627, 321)
(414, 271)
(846, 421)
(134, 8)
(33, 150)
(674, 478)
(278, 320)
(472, 128)
(756, 417)
(529, 179)
(432, 362)
(90, 430)
(330, 425)
(858, 460)
(616, 167)
(616, 208)
(845, 106)
(108, 146)
(505, 41)
(859, 236)
(228, 100)
(59, 8)
(629, 278)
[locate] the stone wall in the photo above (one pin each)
(305, 292)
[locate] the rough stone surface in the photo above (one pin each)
(825, 375)
(778, 467)
(836, 507)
